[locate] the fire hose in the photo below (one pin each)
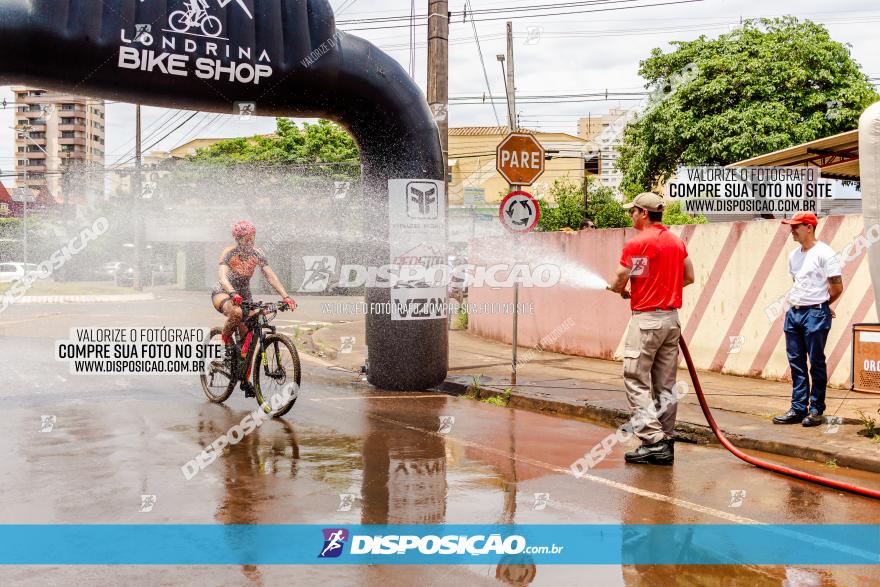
(758, 462)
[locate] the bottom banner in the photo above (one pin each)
(694, 544)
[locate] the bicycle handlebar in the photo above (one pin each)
(247, 307)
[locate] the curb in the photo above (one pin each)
(686, 431)
(81, 299)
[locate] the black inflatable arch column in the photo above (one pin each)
(75, 46)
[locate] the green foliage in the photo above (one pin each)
(568, 211)
(324, 142)
(603, 209)
(870, 429)
(477, 386)
(461, 318)
(767, 85)
(673, 215)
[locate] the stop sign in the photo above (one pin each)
(519, 158)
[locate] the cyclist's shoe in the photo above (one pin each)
(248, 389)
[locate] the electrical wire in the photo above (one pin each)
(515, 16)
(483, 65)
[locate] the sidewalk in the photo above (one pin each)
(593, 389)
(83, 299)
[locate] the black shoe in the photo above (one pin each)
(248, 389)
(659, 453)
(790, 417)
(814, 419)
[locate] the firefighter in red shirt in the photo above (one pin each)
(656, 265)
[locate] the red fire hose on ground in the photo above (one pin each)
(758, 462)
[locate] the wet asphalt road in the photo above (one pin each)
(118, 438)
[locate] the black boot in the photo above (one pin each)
(659, 453)
(789, 417)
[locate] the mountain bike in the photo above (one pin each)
(183, 20)
(265, 357)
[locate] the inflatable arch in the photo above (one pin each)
(869, 171)
(287, 57)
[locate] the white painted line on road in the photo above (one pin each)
(682, 503)
(84, 299)
(595, 479)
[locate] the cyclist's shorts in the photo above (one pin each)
(218, 290)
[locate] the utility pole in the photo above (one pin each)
(438, 87)
(137, 189)
(438, 73)
(510, 87)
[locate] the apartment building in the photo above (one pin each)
(56, 132)
(590, 126)
(606, 134)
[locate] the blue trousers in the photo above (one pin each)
(806, 331)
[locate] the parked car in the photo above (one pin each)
(107, 271)
(124, 276)
(10, 272)
(160, 274)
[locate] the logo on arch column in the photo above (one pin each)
(421, 200)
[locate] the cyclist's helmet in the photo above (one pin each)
(242, 229)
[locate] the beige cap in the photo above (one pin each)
(648, 201)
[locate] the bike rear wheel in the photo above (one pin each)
(277, 376)
(211, 26)
(218, 381)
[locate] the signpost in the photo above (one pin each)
(519, 159)
(519, 213)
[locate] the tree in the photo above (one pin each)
(673, 215)
(324, 142)
(767, 85)
(569, 209)
(603, 209)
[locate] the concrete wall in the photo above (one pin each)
(741, 270)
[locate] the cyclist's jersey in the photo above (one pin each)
(241, 267)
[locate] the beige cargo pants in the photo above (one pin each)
(650, 360)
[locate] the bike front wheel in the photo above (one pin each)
(277, 376)
(178, 21)
(218, 379)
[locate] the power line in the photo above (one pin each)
(471, 11)
(514, 16)
(175, 115)
(483, 65)
(131, 149)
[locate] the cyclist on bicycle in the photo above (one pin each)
(197, 9)
(237, 265)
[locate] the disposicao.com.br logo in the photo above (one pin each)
(431, 544)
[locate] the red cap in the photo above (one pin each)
(802, 218)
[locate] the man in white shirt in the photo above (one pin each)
(815, 269)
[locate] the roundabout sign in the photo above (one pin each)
(519, 212)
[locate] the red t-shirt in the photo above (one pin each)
(655, 258)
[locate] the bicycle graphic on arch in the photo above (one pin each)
(195, 17)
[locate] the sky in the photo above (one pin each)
(571, 54)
